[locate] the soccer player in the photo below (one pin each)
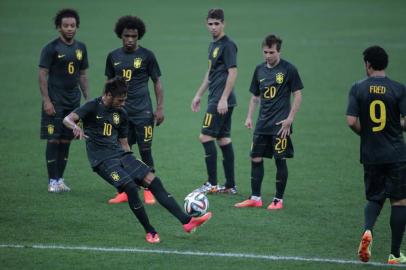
(273, 83)
(105, 125)
(62, 74)
(375, 107)
(137, 64)
(219, 80)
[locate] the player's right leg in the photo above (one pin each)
(115, 173)
(374, 180)
(50, 131)
(257, 174)
(210, 150)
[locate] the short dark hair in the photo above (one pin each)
(272, 39)
(377, 57)
(130, 22)
(117, 86)
(216, 13)
(66, 13)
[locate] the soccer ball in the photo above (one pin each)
(196, 204)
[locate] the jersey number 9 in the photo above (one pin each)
(377, 107)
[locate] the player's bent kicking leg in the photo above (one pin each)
(143, 175)
(167, 201)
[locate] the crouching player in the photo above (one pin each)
(105, 130)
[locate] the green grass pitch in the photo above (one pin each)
(324, 200)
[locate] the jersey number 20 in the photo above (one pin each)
(378, 107)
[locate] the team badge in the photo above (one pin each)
(116, 118)
(51, 129)
(79, 54)
(215, 52)
(279, 77)
(137, 62)
(115, 176)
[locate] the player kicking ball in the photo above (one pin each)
(105, 125)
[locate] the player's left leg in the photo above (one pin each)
(144, 131)
(62, 160)
(397, 192)
(280, 184)
(282, 149)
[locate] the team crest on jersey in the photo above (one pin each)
(137, 62)
(51, 129)
(116, 118)
(79, 54)
(215, 52)
(115, 176)
(279, 77)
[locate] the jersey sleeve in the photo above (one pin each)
(153, 68)
(230, 55)
(254, 88)
(85, 63)
(353, 107)
(123, 128)
(109, 71)
(46, 57)
(295, 82)
(402, 102)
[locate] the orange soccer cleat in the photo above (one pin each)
(196, 222)
(119, 198)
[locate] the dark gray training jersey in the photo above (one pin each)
(137, 67)
(222, 56)
(64, 63)
(104, 126)
(274, 87)
(379, 102)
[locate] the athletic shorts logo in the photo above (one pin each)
(79, 54)
(51, 129)
(279, 77)
(115, 176)
(116, 118)
(215, 52)
(137, 62)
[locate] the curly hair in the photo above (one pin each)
(66, 13)
(130, 22)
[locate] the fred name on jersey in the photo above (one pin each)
(377, 89)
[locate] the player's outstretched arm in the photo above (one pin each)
(70, 122)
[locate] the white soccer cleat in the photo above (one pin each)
(53, 186)
(62, 186)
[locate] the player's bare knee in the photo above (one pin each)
(398, 202)
(223, 141)
(149, 178)
(205, 138)
(256, 159)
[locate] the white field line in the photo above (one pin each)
(198, 253)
